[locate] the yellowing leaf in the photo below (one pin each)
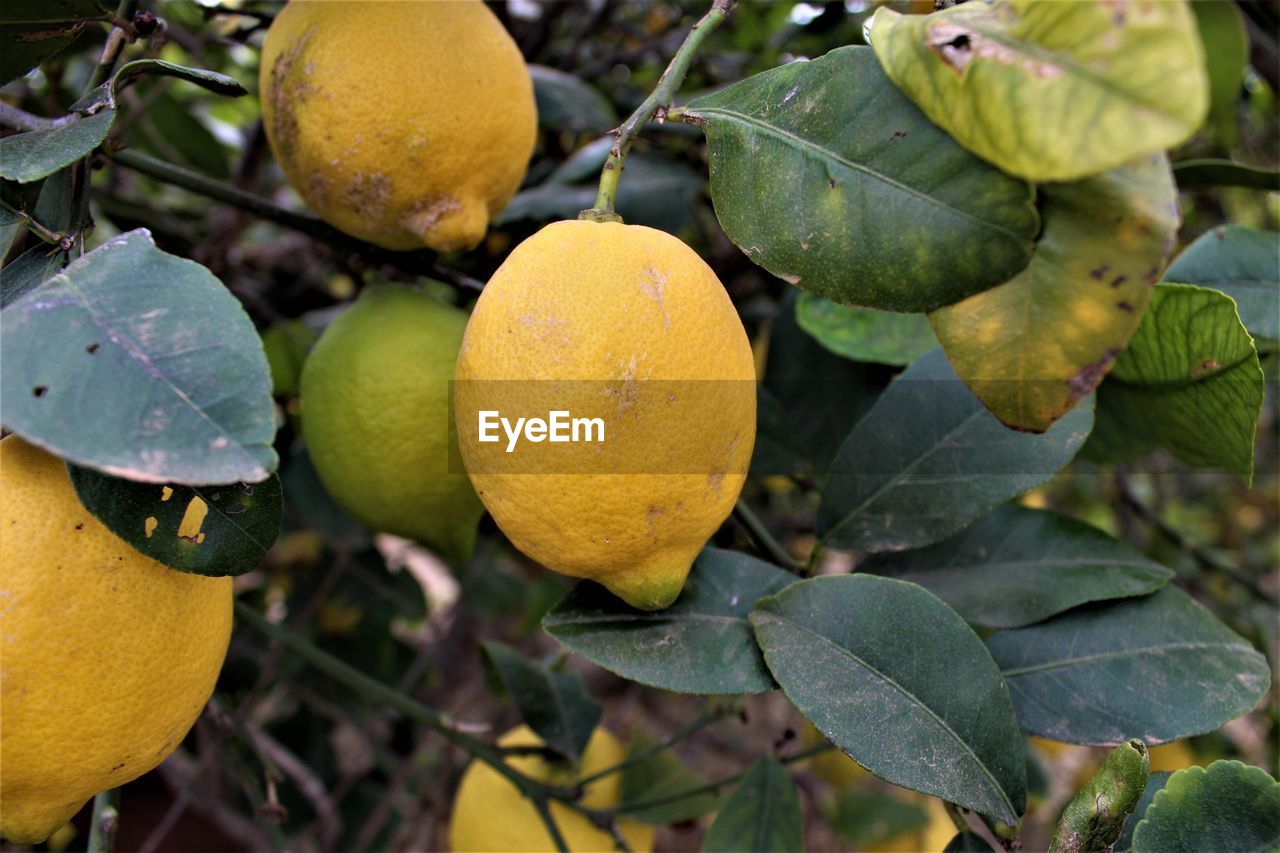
(1052, 91)
(1032, 347)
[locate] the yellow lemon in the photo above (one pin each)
(406, 123)
(107, 659)
(375, 416)
(933, 836)
(626, 332)
(490, 814)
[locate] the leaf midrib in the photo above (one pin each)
(1018, 672)
(800, 141)
(910, 696)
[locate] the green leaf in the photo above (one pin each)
(1051, 91)
(30, 33)
(1189, 382)
(554, 704)
(28, 271)
(1208, 173)
(1158, 668)
(26, 157)
(153, 346)
(929, 459)
(1093, 820)
(1017, 566)
(809, 400)
(701, 644)
(866, 816)
(1228, 806)
(826, 176)
(864, 334)
(900, 683)
(220, 530)
(1032, 347)
(1243, 263)
(1226, 53)
(1155, 783)
(762, 815)
(212, 80)
(566, 102)
(662, 778)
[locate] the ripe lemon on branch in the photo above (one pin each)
(407, 124)
(627, 326)
(107, 657)
(375, 416)
(490, 814)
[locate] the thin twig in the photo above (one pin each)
(698, 724)
(1206, 559)
(764, 538)
(654, 105)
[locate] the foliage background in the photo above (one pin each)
(287, 756)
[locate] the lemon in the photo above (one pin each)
(406, 123)
(107, 657)
(833, 766)
(489, 813)
(1171, 756)
(626, 326)
(375, 416)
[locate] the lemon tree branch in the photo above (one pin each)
(534, 790)
(656, 104)
(764, 538)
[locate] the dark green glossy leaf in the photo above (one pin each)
(762, 815)
(1189, 382)
(554, 704)
(152, 345)
(1017, 566)
(1243, 263)
(809, 400)
(172, 129)
(205, 530)
(700, 644)
(566, 102)
(900, 683)
(31, 32)
(1032, 347)
(205, 79)
(1155, 783)
(827, 176)
(1208, 173)
(661, 780)
(1051, 91)
(929, 459)
(1228, 807)
(1095, 817)
(26, 157)
(864, 334)
(28, 271)
(1157, 668)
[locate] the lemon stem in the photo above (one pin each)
(105, 821)
(655, 105)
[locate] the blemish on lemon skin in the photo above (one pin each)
(193, 520)
(149, 526)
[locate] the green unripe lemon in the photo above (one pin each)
(375, 416)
